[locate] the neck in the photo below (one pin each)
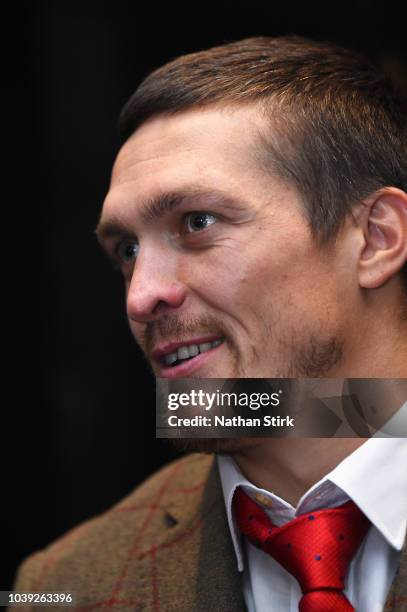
(290, 466)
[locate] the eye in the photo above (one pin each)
(198, 221)
(127, 250)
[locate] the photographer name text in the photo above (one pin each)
(235, 421)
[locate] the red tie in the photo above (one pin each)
(316, 548)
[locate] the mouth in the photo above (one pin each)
(179, 360)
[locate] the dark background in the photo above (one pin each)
(83, 400)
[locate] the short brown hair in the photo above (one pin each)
(337, 127)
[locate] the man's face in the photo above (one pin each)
(230, 269)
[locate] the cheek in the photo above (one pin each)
(275, 274)
(224, 280)
(289, 284)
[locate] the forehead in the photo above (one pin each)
(207, 148)
(182, 138)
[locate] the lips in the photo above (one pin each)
(182, 358)
(188, 351)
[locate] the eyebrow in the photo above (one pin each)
(163, 203)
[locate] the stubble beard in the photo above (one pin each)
(315, 357)
(315, 360)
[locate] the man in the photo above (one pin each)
(258, 213)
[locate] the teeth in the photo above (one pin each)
(185, 352)
(169, 359)
(193, 350)
(205, 347)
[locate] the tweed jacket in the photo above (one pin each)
(165, 547)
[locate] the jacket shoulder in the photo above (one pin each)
(103, 544)
(188, 472)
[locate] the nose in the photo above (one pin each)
(154, 288)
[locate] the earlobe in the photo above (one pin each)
(385, 237)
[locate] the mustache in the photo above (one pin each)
(176, 328)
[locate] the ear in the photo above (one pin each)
(384, 225)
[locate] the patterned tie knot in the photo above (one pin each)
(316, 548)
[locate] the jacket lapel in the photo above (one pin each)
(219, 584)
(188, 563)
(208, 558)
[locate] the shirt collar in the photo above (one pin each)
(385, 503)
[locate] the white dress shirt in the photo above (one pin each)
(374, 476)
